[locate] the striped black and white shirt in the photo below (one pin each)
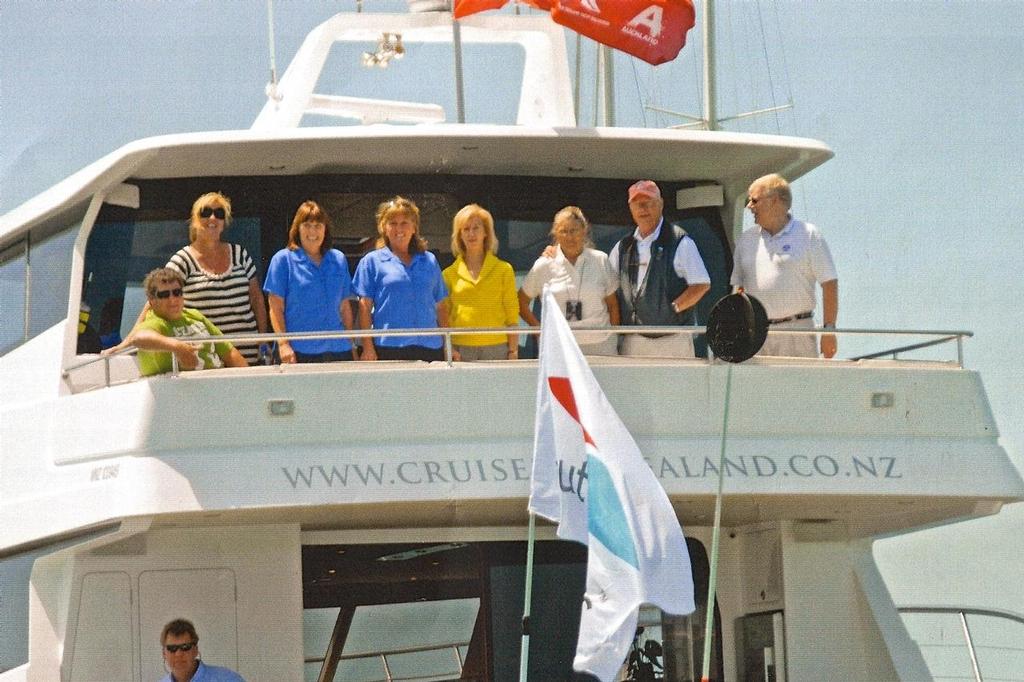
(223, 298)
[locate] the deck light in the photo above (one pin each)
(281, 408)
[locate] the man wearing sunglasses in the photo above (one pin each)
(180, 645)
(779, 261)
(169, 324)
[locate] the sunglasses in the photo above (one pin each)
(175, 648)
(218, 213)
(167, 293)
(753, 201)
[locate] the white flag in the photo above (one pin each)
(590, 478)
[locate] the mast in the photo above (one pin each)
(710, 90)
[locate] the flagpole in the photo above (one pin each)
(524, 649)
(709, 622)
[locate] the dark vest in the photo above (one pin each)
(654, 305)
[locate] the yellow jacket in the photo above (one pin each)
(490, 301)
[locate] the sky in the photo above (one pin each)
(921, 102)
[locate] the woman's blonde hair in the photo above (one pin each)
(400, 206)
(208, 200)
(462, 218)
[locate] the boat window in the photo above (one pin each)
(415, 78)
(13, 270)
(454, 610)
(119, 255)
(126, 243)
(50, 261)
(34, 284)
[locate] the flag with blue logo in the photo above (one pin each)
(590, 477)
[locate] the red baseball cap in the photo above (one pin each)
(645, 188)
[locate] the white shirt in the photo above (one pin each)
(781, 270)
(686, 262)
(589, 281)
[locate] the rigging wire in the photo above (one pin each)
(789, 93)
(639, 93)
(733, 66)
(768, 67)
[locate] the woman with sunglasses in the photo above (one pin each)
(400, 287)
(309, 287)
(220, 278)
(582, 280)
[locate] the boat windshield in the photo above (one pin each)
(127, 243)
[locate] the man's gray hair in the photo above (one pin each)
(776, 184)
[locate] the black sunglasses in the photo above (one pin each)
(175, 648)
(167, 293)
(218, 213)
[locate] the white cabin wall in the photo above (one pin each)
(263, 565)
(32, 371)
(832, 631)
(49, 603)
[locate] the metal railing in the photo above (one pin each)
(389, 676)
(939, 337)
(970, 643)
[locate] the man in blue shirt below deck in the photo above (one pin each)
(180, 646)
(778, 262)
(661, 277)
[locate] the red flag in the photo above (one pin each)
(653, 30)
(463, 8)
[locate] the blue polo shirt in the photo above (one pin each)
(404, 297)
(312, 296)
(210, 673)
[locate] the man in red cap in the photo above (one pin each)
(661, 277)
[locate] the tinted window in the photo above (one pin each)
(51, 280)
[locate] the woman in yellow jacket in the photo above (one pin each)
(481, 289)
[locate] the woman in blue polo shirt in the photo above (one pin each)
(308, 287)
(400, 287)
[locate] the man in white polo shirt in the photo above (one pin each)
(779, 262)
(661, 276)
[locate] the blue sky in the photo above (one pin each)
(921, 102)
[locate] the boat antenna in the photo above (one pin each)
(271, 89)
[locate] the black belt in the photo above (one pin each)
(798, 316)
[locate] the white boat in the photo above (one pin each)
(368, 521)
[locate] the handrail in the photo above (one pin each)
(944, 336)
(383, 655)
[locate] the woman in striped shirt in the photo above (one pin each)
(220, 278)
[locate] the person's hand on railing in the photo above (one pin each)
(369, 353)
(456, 355)
(284, 350)
(828, 345)
(187, 355)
